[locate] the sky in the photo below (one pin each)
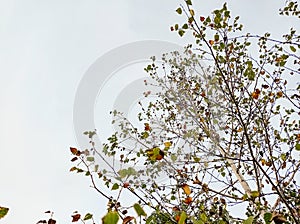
(46, 49)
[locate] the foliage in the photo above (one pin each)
(223, 132)
(3, 211)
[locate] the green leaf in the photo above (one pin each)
(123, 173)
(88, 216)
(139, 210)
(182, 218)
(115, 186)
(195, 221)
(254, 194)
(249, 220)
(181, 32)
(144, 135)
(203, 217)
(268, 217)
(110, 218)
(293, 48)
(188, 2)
(185, 26)
(179, 10)
(3, 211)
(297, 147)
(90, 158)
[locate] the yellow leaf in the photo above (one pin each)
(186, 188)
(167, 144)
(254, 194)
(192, 12)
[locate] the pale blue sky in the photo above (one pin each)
(45, 49)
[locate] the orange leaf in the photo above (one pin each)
(188, 200)
(127, 219)
(279, 94)
(75, 217)
(255, 94)
(73, 150)
(186, 188)
(211, 42)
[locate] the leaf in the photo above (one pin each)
(293, 49)
(185, 26)
(181, 32)
(188, 200)
(186, 188)
(74, 151)
(256, 94)
(127, 219)
(51, 221)
(278, 218)
(297, 146)
(192, 12)
(254, 194)
(182, 218)
(88, 216)
(167, 144)
(74, 159)
(75, 217)
(139, 210)
(147, 127)
(3, 212)
(90, 158)
(123, 173)
(115, 186)
(179, 10)
(249, 220)
(268, 217)
(188, 2)
(111, 217)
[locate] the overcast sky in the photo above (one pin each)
(46, 48)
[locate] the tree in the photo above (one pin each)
(224, 132)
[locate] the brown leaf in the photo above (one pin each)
(196, 181)
(41, 221)
(127, 219)
(126, 185)
(74, 159)
(73, 150)
(75, 217)
(51, 221)
(147, 127)
(278, 218)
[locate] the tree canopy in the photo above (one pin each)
(221, 141)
